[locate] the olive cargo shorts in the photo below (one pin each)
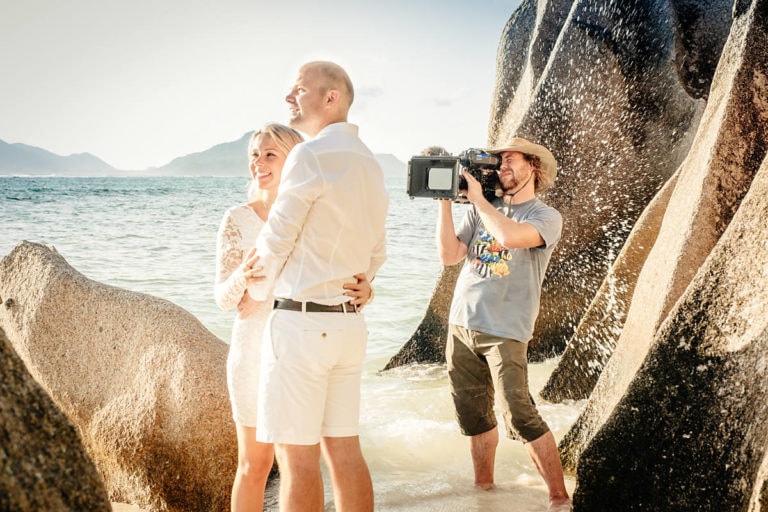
(477, 363)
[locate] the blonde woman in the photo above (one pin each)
(236, 268)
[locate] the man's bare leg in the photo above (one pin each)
(352, 487)
(301, 482)
(483, 450)
(543, 452)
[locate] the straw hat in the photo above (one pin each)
(548, 162)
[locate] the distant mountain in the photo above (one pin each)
(23, 159)
(226, 159)
(390, 164)
(230, 159)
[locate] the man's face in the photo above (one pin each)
(515, 170)
(306, 101)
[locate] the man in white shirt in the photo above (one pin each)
(326, 225)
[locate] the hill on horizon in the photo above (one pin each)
(225, 159)
(18, 158)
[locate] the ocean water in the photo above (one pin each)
(157, 235)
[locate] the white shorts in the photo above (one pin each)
(310, 376)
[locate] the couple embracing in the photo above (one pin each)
(297, 261)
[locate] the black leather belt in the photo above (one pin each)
(313, 307)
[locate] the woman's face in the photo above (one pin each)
(266, 162)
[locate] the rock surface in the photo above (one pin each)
(43, 464)
(729, 147)
(691, 432)
(594, 341)
(141, 379)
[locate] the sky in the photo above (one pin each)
(140, 83)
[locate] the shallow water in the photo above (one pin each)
(158, 235)
(418, 459)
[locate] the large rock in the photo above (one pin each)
(142, 380)
(605, 96)
(691, 433)
(594, 341)
(43, 464)
(729, 147)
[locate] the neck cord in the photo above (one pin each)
(512, 195)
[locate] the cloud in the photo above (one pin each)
(452, 99)
(369, 92)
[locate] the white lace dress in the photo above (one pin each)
(237, 235)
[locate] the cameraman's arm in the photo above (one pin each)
(509, 233)
(450, 248)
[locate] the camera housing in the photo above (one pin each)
(433, 176)
(439, 177)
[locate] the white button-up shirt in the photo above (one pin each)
(327, 223)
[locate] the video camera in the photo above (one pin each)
(439, 177)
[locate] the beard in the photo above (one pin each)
(512, 183)
(295, 119)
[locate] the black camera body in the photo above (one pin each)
(439, 177)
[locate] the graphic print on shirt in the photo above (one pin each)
(490, 257)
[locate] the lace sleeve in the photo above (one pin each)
(230, 281)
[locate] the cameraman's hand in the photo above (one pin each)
(474, 188)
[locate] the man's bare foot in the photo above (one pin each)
(484, 486)
(559, 505)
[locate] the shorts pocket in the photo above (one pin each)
(270, 341)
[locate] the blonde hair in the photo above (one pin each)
(283, 136)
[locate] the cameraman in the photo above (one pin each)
(507, 245)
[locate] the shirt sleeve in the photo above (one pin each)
(230, 281)
(468, 226)
(549, 223)
(301, 185)
(379, 255)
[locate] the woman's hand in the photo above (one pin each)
(252, 272)
(361, 291)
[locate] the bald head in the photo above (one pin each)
(330, 76)
(321, 95)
